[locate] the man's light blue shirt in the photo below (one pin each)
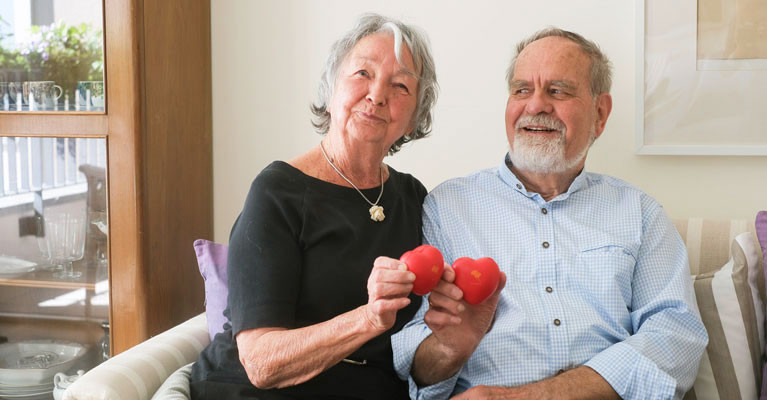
(597, 276)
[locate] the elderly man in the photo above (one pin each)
(597, 301)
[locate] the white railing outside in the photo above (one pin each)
(46, 165)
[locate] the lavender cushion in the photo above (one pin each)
(211, 259)
(761, 233)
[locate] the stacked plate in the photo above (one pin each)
(13, 266)
(27, 367)
(27, 392)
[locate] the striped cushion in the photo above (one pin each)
(708, 243)
(732, 312)
(176, 387)
(138, 372)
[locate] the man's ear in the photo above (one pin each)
(604, 105)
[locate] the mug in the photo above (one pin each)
(14, 88)
(4, 90)
(44, 93)
(97, 93)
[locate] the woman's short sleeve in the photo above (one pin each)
(265, 259)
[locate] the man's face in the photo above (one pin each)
(551, 116)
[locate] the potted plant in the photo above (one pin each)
(13, 65)
(65, 54)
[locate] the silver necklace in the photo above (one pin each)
(376, 211)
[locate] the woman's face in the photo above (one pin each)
(375, 97)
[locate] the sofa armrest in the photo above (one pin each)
(139, 371)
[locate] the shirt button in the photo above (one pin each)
(544, 211)
(545, 245)
(549, 289)
(519, 186)
(557, 322)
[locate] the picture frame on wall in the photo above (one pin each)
(701, 77)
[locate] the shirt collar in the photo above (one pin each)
(512, 181)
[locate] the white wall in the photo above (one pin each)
(268, 55)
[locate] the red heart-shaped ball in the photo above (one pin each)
(427, 264)
(478, 279)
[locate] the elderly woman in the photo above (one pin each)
(311, 306)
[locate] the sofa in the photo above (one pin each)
(727, 274)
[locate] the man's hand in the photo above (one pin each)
(578, 383)
(499, 393)
(457, 328)
(455, 324)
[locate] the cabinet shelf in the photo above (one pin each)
(40, 278)
(91, 124)
(49, 284)
(50, 317)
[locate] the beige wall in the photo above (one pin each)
(267, 57)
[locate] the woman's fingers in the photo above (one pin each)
(385, 306)
(387, 275)
(388, 263)
(389, 278)
(383, 290)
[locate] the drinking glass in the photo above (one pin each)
(65, 240)
(45, 252)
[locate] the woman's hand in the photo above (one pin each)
(388, 287)
(279, 357)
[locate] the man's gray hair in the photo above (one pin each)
(601, 69)
(418, 44)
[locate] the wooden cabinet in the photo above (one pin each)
(157, 132)
(159, 126)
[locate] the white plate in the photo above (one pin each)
(26, 389)
(33, 362)
(13, 393)
(13, 265)
(5, 388)
(38, 396)
(17, 392)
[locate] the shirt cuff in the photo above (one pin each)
(404, 345)
(631, 374)
(437, 391)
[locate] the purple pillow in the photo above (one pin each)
(211, 259)
(761, 233)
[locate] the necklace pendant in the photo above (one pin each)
(377, 213)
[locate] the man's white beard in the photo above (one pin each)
(543, 153)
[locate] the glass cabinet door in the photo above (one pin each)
(51, 56)
(54, 289)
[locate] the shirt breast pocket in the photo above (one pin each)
(605, 273)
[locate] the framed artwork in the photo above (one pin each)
(702, 77)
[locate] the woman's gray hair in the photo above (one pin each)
(601, 70)
(418, 44)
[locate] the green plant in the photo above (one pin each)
(10, 59)
(65, 54)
